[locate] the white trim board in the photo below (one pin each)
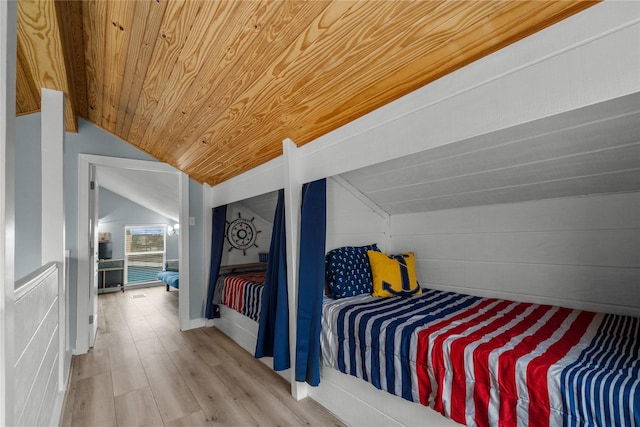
(85, 161)
(8, 23)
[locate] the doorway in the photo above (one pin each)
(87, 290)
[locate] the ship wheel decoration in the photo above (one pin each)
(242, 234)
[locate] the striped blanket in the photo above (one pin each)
(241, 292)
(490, 362)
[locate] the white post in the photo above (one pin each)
(292, 197)
(53, 243)
(8, 21)
(183, 254)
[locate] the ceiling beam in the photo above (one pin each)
(42, 40)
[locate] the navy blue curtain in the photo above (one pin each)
(273, 331)
(217, 242)
(313, 226)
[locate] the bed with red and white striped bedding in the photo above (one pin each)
(483, 361)
(241, 292)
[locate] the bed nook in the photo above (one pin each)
(242, 233)
(478, 361)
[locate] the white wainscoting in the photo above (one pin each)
(576, 252)
(36, 346)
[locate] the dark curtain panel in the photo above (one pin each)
(313, 226)
(273, 331)
(217, 242)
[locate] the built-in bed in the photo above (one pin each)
(485, 361)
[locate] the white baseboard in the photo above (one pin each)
(197, 323)
(58, 406)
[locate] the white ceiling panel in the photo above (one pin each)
(592, 150)
(157, 191)
(263, 205)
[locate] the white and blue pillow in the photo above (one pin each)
(348, 271)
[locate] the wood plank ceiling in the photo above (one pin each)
(213, 87)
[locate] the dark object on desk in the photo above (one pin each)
(105, 250)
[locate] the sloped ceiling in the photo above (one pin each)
(263, 205)
(592, 150)
(213, 87)
(157, 191)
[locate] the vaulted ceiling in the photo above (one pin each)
(213, 87)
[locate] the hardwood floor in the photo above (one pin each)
(144, 372)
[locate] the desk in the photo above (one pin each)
(110, 275)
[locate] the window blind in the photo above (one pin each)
(144, 250)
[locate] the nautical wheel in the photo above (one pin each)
(242, 234)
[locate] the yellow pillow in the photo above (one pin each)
(393, 275)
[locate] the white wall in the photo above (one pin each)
(351, 221)
(116, 212)
(28, 207)
(581, 252)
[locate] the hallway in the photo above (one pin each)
(144, 371)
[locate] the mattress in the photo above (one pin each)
(483, 361)
(241, 292)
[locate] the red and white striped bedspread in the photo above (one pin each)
(490, 362)
(243, 293)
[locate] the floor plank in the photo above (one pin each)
(94, 404)
(143, 371)
(137, 408)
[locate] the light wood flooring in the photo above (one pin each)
(144, 372)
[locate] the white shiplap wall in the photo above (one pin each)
(581, 252)
(351, 221)
(263, 239)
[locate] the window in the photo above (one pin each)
(144, 253)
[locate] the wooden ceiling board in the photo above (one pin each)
(420, 57)
(175, 27)
(238, 40)
(276, 40)
(151, 13)
(289, 21)
(94, 15)
(119, 27)
(213, 87)
(70, 18)
(289, 78)
(41, 44)
(203, 41)
(27, 94)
